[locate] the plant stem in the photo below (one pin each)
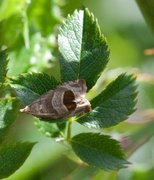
(70, 120)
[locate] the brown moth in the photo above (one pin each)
(65, 101)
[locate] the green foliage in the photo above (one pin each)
(8, 104)
(27, 29)
(12, 156)
(48, 129)
(112, 105)
(32, 85)
(3, 66)
(11, 21)
(42, 14)
(83, 49)
(8, 114)
(19, 17)
(37, 82)
(37, 57)
(6, 11)
(84, 54)
(98, 150)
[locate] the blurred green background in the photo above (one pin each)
(29, 29)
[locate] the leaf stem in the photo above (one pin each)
(70, 120)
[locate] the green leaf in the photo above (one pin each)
(83, 49)
(24, 95)
(112, 105)
(49, 129)
(30, 86)
(99, 150)
(3, 65)
(37, 82)
(13, 156)
(8, 114)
